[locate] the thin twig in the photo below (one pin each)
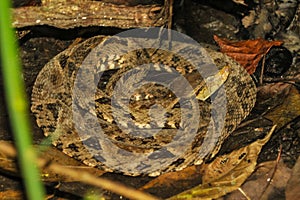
(273, 172)
(118, 188)
(170, 13)
(243, 193)
(262, 70)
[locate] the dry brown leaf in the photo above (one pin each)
(8, 165)
(240, 2)
(54, 155)
(11, 194)
(287, 111)
(8, 150)
(247, 52)
(264, 183)
(174, 180)
(292, 191)
(249, 19)
(226, 173)
(271, 90)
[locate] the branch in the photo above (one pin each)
(67, 14)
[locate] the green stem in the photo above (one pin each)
(17, 105)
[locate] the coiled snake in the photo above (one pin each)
(141, 124)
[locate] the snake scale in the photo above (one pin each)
(141, 140)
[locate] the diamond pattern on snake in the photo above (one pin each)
(147, 111)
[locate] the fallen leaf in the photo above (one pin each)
(240, 2)
(292, 191)
(85, 177)
(175, 181)
(52, 155)
(287, 111)
(248, 20)
(226, 173)
(11, 194)
(271, 90)
(264, 183)
(247, 52)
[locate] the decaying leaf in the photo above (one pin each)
(226, 173)
(176, 181)
(81, 176)
(247, 52)
(52, 155)
(240, 2)
(292, 191)
(11, 194)
(249, 19)
(268, 180)
(287, 111)
(272, 90)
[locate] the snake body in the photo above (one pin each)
(69, 117)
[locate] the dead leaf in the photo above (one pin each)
(242, 2)
(175, 181)
(52, 155)
(264, 183)
(287, 111)
(292, 191)
(82, 176)
(271, 90)
(226, 173)
(11, 194)
(249, 19)
(247, 52)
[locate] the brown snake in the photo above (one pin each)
(143, 133)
